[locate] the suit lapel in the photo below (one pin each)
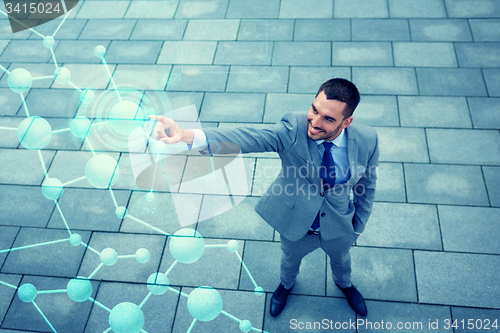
(352, 151)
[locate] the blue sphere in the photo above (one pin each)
(245, 326)
(20, 80)
(126, 318)
(79, 289)
(75, 239)
(34, 133)
(204, 303)
(99, 51)
(102, 171)
(27, 293)
(142, 256)
(80, 127)
(121, 212)
(233, 246)
(158, 283)
(259, 291)
(52, 189)
(187, 246)
(109, 256)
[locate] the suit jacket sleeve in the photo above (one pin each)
(277, 137)
(364, 192)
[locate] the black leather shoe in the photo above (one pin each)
(355, 299)
(278, 301)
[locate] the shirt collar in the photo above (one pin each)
(337, 141)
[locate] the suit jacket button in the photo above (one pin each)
(322, 194)
(323, 214)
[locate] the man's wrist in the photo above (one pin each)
(187, 136)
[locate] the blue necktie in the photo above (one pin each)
(327, 172)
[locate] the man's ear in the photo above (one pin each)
(346, 122)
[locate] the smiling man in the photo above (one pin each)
(325, 158)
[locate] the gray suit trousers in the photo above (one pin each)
(337, 250)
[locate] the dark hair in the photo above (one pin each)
(341, 90)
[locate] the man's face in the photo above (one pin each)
(326, 118)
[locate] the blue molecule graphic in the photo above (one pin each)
(150, 196)
(126, 318)
(158, 283)
(142, 256)
(20, 80)
(109, 256)
(80, 127)
(121, 212)
(102, 171)
(204, 303)
(27, 293)
(62, 75)
(79, 289)
(52, 189)
(99, 51)
(48, 41)
(75, 239)
(187, 246)
(34, 133)
(259, 291)
(233, 246)
(245, 326)
(87, 96)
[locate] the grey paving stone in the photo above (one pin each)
(6, 31)
(152, 9)
(380, 30)
(382, 274)
(63, 140)
(266, 171)
(211, 30)
(470, 8)
(71, 29)
(478, 54)
(232, 107)
(322, 30)
(362, 54)
(52, 102)
(198, 78)
(240, 222)
(309, 79)
(277, 105)
(87, 76)
(266, 30)
(136, 52)
(60, 259)
(445, 278)
(103, 9)
(390, 183)
(464, 146)
(460, 236)
(159, 30)
(385, 81)
(310, 9)
(34, 213)
(149, 77)
(127, 269)
(360, 9)
(9, 137)
(258, 9)
(27, 51)
(36, 70)
(486, 317)
(7, 293)
(424, 55)
(126, 180)
(78, 51)
(263, 261)
(23, 167)
(187, 52)
(217, 268)
(168, 101)
(491, 77)
(89, 209)
(402, 144)
(243, 53)
(414, 8)
(64, 314)
(108, 29)
(401, 225)
(302, 53)
(201, 9)
(450, 82)
(492, 178)
(377, 111)
(7, 237)
(265, 79)
(434, 112)
(445, 184)
(159, 310)
(440, 30)
(485, 30)
(242, 305)
(302, 310)
(10, 101)
(405, 316)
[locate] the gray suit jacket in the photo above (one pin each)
(292, 202)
